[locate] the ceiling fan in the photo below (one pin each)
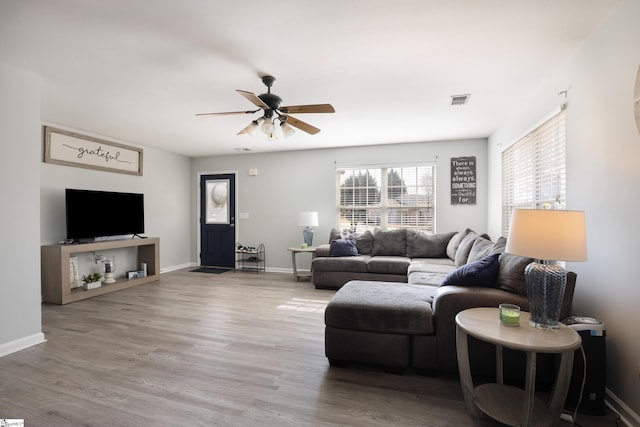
(271, 105)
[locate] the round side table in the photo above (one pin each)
(507, 404)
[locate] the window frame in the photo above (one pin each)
(414, 208)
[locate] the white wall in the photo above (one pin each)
(19, 217)
(603, 154)
(165, 184)
(290, 182)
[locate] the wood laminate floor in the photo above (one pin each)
(198, 349)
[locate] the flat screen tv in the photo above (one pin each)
(92, 214)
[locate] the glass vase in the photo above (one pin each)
(545, 285)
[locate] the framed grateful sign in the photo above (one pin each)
(72, 149)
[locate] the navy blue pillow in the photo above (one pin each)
(343, 247)
(479, 273)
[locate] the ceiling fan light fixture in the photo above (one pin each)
(250, 129)
(286, 129)
(268, 127)
(271, 105)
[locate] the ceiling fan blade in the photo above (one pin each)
(228, 113)
(306, 127)
(253, 98)
(314, 108)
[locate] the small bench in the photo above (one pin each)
(373, 322)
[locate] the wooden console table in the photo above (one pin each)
(511, 405)
(54, 259)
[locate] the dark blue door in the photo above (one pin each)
(217, 220)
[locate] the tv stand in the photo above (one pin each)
(54, 259)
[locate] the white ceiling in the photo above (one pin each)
(138, 71)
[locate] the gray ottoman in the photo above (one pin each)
(372, 322)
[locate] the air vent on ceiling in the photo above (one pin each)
(460, 99)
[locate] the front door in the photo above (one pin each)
(217, 220)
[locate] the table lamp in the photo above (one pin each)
(547, 236)
(307, 220)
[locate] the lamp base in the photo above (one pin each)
(545, 284)
(307, 235)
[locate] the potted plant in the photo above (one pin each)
(92, 281)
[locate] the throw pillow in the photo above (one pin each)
(424, 245)
(500, 246)
(479, 273)
(364, 242)
(481, 248)
(462, 254)
(343, 247)
(511, 276)
(453, 244)
(390, 242)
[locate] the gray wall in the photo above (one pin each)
(164, 183)
(603, 148)
(33, 209)
(290, 182)
(19, 217)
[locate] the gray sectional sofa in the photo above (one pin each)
(396, 311)
(409, 256)
(381, 256)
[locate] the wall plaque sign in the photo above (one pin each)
(463, 180)
(72, 149)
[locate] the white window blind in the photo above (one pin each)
(534, 170)
(386, 196)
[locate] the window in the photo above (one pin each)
(534, 170)
(388, 197)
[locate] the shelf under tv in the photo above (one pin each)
(56, 287)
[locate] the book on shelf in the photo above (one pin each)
(74, 273)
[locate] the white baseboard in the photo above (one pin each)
(194, 265)
(280, 270)
(627, 415)
(177, 267)
(21, 343)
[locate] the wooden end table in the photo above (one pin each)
(295, 250)
(507, 404)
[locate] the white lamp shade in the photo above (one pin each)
(267, 127)
(308, 219)
(557, 235)
(286, 129)
(250, 129)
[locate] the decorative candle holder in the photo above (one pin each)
(109, 270)
(509, 314)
